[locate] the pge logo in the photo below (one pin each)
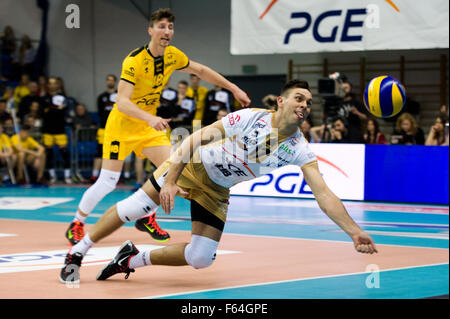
(349, 22)
(371, 21)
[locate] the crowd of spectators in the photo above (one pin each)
(39, 119)
(352, 123)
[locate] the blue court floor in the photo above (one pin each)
(389, 224)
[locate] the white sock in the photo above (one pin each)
(126, 174)
(140, 260)
(79, 217)
(83, 246)
(67, 173)
(95, 172)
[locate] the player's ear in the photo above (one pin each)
(150, 30)
(280, 101)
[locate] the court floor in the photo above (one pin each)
(272, 248)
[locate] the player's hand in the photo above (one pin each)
(364, 243)
(158, 123)
(242, 97)
(167, 196)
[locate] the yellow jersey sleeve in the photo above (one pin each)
(130, 69)
(182, 61)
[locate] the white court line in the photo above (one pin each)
(286, 281)
(7, 235)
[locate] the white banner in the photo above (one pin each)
(341, 165)
(287, 26)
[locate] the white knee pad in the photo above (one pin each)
(136, 206)
(104, 185)
(201, 252)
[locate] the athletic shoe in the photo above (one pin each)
(149, 225)
(120, 263)
(69, 273)
(75, 232)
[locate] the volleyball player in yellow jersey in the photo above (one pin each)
(133, 125)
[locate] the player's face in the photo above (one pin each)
(297, 105)
(162, 32)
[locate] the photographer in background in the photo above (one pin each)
(339, 101)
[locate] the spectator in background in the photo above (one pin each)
(167, 103)
(443, 111)
(198, 93)
(8, 96)
(186, 107)
(22, 89)
(8, 48)
(34, 119)
(437, 132)
(342, 132)
(29, 152)
(43, 85)
(4, 114)
(351, 109)
(216, 99)
(25, 103)
(407, 131)
(222, 113)
(373, 134)
(305, 127)
(53, 128)
(82, 118)
(26, 55)
(8, 127)
(105, 104)
(7, 158)
(270, 102)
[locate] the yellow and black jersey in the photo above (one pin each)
(149, 74)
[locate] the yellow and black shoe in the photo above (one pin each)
(149, 225)
(75, 232)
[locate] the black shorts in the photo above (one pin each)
(201, 214)
(198, 212)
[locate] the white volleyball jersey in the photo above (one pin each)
(252, 148)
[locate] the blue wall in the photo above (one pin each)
(407, 173)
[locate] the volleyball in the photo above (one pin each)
(384, 96)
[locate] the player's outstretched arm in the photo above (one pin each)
(209, 75)
(124, 105)
(333, 207)
(181, 156)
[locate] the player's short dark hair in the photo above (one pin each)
(183, 82)
(25, 127)
(294, 84)
(160, 14)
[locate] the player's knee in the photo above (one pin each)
(134, 207)
(201, 252)
(108, 179)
